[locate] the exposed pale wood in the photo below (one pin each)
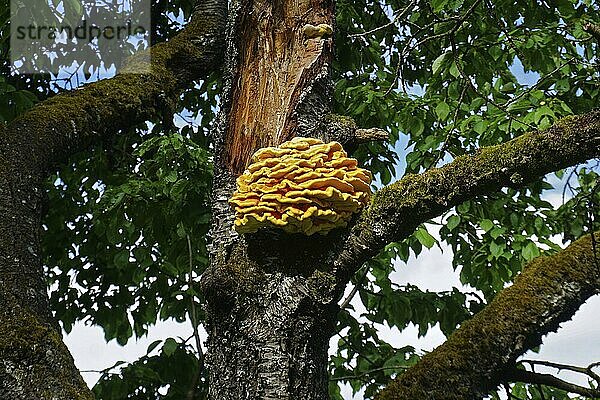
(277, 66)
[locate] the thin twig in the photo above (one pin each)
(451, 132)
(568, 185)
(507, 389)
(582, 370)
(355, 288)
(541, 391)
(421, 42)
(509, 394)
(524, 376)
(360, 376)
(392, 22)
(511, 43)
(192, 392)
(487, 99)
(539, 82)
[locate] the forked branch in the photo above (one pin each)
(535, 378)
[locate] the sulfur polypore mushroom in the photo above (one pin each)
(301, 186)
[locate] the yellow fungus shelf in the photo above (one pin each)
(301, 186)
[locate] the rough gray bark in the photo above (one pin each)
(398, 209)
(475, 359)
(269, 323)
(34, 362)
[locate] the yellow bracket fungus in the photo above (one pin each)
(302, 186)
(319, 31)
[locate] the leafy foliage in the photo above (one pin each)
(169, 374)
(125, 241)
(446, 77)
(132, 258)
(124, 232)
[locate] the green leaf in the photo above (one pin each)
(438, 5)
(181, 232)
(442, 110)
(497, 249)
(496, 232)
(171, 176)
(453, 222)
(438, 63)
(486, 224)
(121, 259)
(530, 251)
(480, 127)
(424, 237)
(153, 345)
(170, 346)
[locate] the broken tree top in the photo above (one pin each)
(301, 186)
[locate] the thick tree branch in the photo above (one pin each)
(371, 135)
(67, 123)
(399, 208)
(593, 30)
(477, 357)
(34, 362)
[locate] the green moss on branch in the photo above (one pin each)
(473, 360)
(34, 362)
(70, 122)
(398, 209)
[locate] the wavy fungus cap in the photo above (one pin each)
(301, 186)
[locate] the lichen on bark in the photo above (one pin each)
(399, 208)
(473, 359)
(34, 362)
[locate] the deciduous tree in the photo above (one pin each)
(129, 221)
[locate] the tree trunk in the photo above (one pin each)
(34, 362)
(269, 299)
(269, 322)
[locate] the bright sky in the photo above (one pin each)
(576, 342)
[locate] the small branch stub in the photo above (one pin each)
(593, 30)
(303, 186)
(371, 135)
(343, 129)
